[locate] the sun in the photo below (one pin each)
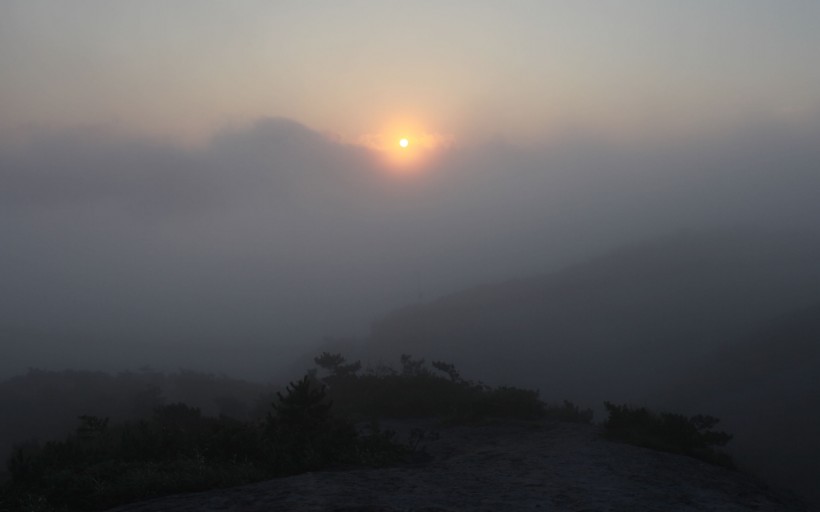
(404, 143)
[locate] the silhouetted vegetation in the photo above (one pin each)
(308, 426)
(44, 405)
(417, 390)
(668, 432)
(179, 450)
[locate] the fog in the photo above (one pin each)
(678, 273)
(239, 256)
(601, 201)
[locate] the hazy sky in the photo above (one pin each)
(218, 185)
(463, 70)
(194, 183)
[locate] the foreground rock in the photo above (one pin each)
(504, 467)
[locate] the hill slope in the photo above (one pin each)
(510, 467)
(722, 323)
(766, 387)
(616, 327)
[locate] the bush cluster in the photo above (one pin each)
(438, 390)
(309, 426)
(693, 436)
(178, 449)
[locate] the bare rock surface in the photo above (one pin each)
(503, 467)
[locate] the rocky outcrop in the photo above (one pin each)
(504, 467)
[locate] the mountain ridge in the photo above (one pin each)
(663, 302)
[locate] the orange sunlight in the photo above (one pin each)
(405, 146)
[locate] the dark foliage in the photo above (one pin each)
(419, 391)
(179, 450)
(449, 369)
(413, 367)
(335, 364)
(308, 426)
(302, 424)
(569, 412)
(44, 405)
(668, 432)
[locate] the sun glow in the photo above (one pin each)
(405, 146)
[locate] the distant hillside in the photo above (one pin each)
(721, 323)
(616, 326)
(766, 386)
(782, 353)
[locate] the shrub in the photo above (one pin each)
(418, 391)
(568, 412)
(668, 432)
(178, 449)
(335, 365)
(303, 431)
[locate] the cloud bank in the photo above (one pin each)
(118, 251)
